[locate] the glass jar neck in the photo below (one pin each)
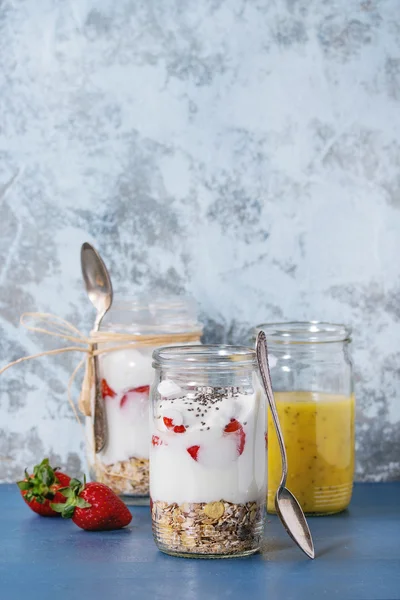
(308, 349)
(304, 334)
(144, 315)
(216, 366)
(205, 358)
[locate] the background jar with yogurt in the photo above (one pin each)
(312, 378)
(126, 376)
(208, 455)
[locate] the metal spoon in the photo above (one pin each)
(99, 289)
(287, 507)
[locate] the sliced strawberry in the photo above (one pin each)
(142, 389)
(179, 429)
(157, 441)
(106, 390)
(193, 451)
(169, 424)
(242, 441)
(235, 427)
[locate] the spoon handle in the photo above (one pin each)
(99, 412)
(262, 359)
(99, 416)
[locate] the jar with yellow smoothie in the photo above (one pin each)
(311, 375)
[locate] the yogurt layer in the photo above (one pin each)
(208, 445)
(128, 375)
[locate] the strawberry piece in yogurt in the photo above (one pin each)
(193, 451)
(132, 393)
(237, 428)
(228, 451)
(169, 424)
(156, 440)
(106, 390)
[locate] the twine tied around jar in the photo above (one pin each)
(60, 328)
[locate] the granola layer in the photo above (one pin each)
(125, 477)
(208, 528)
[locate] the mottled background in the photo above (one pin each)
(246, 152)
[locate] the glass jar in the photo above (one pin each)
(311, 374)
(208, 456)
(126, 376)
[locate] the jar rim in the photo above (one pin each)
(205, 356)
(304, 332)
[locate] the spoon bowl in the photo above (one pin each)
(293, 520)
(97, 280)
(287, 506)
(100, 292)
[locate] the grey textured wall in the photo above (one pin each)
(246, 152)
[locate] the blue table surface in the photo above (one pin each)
(357, 557)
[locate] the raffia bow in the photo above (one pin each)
(94, 345)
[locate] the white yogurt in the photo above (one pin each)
(127, 412)
(194, 459)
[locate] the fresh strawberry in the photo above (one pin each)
(142, 389)
(41, 488)
(235, 427)
(193, 451)
(169, 424)
(93, 507)
(106, 390)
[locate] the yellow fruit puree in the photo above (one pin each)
(318, 430)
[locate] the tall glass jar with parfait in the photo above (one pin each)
(126, 376)
(312, 378)
(208, 456)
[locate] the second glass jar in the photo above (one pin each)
(208, 456)
(126, 376)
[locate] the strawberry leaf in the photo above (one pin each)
(57, 507)
(66, 492)
(74, 500)
(81, 503)
(68, 512)
(23, 485)
(77, 486)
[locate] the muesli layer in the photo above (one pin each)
(125, 477)
(208, 528)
